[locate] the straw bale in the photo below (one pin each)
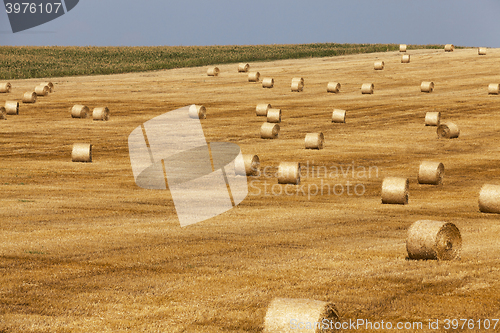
(197, 112)
(82, 152)
(79, 111)
(448, 130)
(430, 173)
(289, 173)
(333, 87)
(100, 113)
(282, 313)
(429, 239)
(489, 199)
(274, 116)
(314, 140)
(395, 190)
(269, 131)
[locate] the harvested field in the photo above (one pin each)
(84, 249)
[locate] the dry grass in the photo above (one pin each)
(83, 249)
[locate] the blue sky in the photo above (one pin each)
(229, 22)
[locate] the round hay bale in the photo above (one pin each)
(367, 88)
(269, 131)
(213, 71)
(402, 47)
(448, 131)
(243, 68)
(333, 87)
(395, 190)
(253, 77)
(12, 107)
(431, 173)
(79, 111)
(268, 82)
(297, 84)
(429, 239)
(3, 113)
(197, 112)
(449, 48)
(315, 140)
(432, 118)
(248, 165)
(284, 315)
(5, 87)
(289, 173)
(101, 113)
(29, 97)
(261, 110)
(42, 90)
(338, 116)
(481, 51)
(48, 84)
(489, 199)
(82, 152)
(378, 65)
(405, 59)
(274, 116)
(493, 89)
(427, 87)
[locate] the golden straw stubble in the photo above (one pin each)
(82, 152)
(395, 190)
(314, 140)
(79, 111)
(247, 165)
(431, 173)
(284, 315)
(489, 199)
(289, 173)
(428, 239)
